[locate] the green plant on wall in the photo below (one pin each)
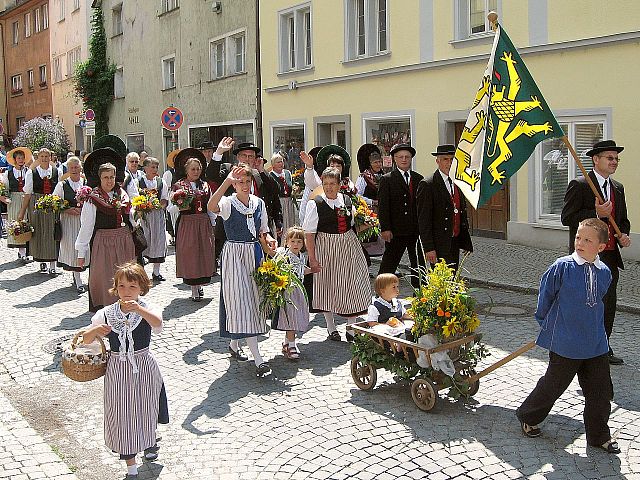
(93, 78)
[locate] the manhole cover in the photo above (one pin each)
(506, 310)
(57, 344)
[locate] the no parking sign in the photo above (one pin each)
(172, 118)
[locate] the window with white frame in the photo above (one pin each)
(19, 122)
(116, 14)
(238, 44)
(37, 25)
(478, 11)
(45, 16)
(76, 5)
(118, 83)
(555, 166)
(27, 25)
(296, 38)
(30, 79)
(43, 75)
(367, 28)
(56, 65)
(169, 72)
(385, 132)
(168, 5)
(16, 32)
(61, 10)
(287, 136)
(217, 58)
(73, 58)
(16, 83)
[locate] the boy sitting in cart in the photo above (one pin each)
(386, 307)
(571, 313)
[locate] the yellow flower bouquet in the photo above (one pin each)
(51, 204)
(144, 203)
(366, 221)
(275, 279)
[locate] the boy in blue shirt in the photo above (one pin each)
(571, 313)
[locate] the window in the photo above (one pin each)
(61, 12)
(367, 28)
(135, 142)
(73, 58)
(16, 32)
(286, 136)
(117, 20)
(296, 38)
(43, 75)
(168, 5)
(241, 132)
(471, 19)
(45, 16)
(168, 72)
(478, 11)
(27, 25)
(30, 79)
(118, 83)
(76, 5)
(16, 84)
(217, 59)
(385, 132)
(36, 20)
(555, 167)
(19, 122)
(57, 69)
(238, 53)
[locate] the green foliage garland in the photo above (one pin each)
(93, 78)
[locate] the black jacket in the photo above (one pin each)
(579, 204)
(435, 217)
(396, 210)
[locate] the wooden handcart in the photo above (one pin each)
(425, 386)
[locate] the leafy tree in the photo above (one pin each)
(40, 133)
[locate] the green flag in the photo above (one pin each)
(508, 119)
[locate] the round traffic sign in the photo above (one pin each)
(172, 118)
(89, 115)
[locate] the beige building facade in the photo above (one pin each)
(356, 71)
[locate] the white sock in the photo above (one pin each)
(22, 251)
(77, 279)
(194, 291)
(331, 324)
(52, 265)
(132, 469)
(156, 269)
(252, 342)
(234, 345)
(292, 344)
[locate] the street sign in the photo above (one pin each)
(89, 115)
(89, 124)
(82, 123)
(172, 118)
(90, 131)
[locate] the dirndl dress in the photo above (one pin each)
(42, 245)
(135, 398)
(240, 315)
(70, 224)
(154, 224)
(294, 316)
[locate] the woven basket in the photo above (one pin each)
(23, 237)
(81, 365)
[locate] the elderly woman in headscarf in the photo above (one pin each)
(105, 225)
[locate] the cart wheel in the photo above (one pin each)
(364, 375)
(475, 386)
(424, 394)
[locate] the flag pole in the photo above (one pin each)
(575, 156)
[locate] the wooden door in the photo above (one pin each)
(490, 220)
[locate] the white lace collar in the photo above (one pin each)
(124, 324)
(247, 210)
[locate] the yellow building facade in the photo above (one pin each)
(357, 71)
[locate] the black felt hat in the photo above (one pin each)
(604, 146)
(100, 157)
(402, 146)
(113, 142)
(206, 145)
(246, 146)
(364, 152)
(185, 154)
(323, 156)
(444, 150)
(314, 152)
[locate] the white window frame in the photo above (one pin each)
(287, 124)
(16, 32)
(30, 79)
(234, 53)
(391, 116)
(462, 21)
(45, 16)
(27, 25)
(168, 78)
(295, 38)
(16, 83)
(573, 169)
(36, 20)
(56, 66)
(76, 5)
(116, 20)
(42, 71)
(169, 5)
(487, 25)
(214, 57)
(371, 34)
(73, 58)
(61, 10)
(118, 82)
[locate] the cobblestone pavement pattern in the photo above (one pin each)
(307, 420)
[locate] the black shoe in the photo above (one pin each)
(151, 453)
(349, 337)
(157, 278)
(531, 431)
(239, 355)
(53, 272)
(609, 447)
(335, 336)
(81, 289)
(613, 360)
(43, 268)
(201, 291)
(263, 369)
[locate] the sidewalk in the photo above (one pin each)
(517, 267)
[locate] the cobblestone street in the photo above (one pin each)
(306, 420)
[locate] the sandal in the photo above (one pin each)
(290, 353)
(531, 431)
(610, 446)
(335, 336)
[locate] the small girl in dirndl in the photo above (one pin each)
(294, 316)
(135, 399)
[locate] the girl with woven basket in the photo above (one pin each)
(135, 400)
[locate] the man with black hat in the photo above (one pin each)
(580, 203)
(397, 212)
(207, 148)
(442, 213)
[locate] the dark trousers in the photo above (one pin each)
(594, 379)
(393, 254)
(610, 298)
(452, 257)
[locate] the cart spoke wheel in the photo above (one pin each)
(424, 394)
(364, 375)
(475, 386)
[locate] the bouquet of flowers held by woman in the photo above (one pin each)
(298, 183)
(144, 203)
(82, 194)
(366, 221)
(183, 198)
(276, 279)
(17, 228)
(51, 203)
(4, 192)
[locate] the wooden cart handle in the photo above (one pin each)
(499, 363)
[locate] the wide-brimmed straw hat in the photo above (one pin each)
(172, 157)
(28, 155)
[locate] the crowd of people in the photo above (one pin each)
(226, 217)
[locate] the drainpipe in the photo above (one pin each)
(259, 138)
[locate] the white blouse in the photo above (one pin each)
(310, 224)
(28, 179)
(59, 190)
